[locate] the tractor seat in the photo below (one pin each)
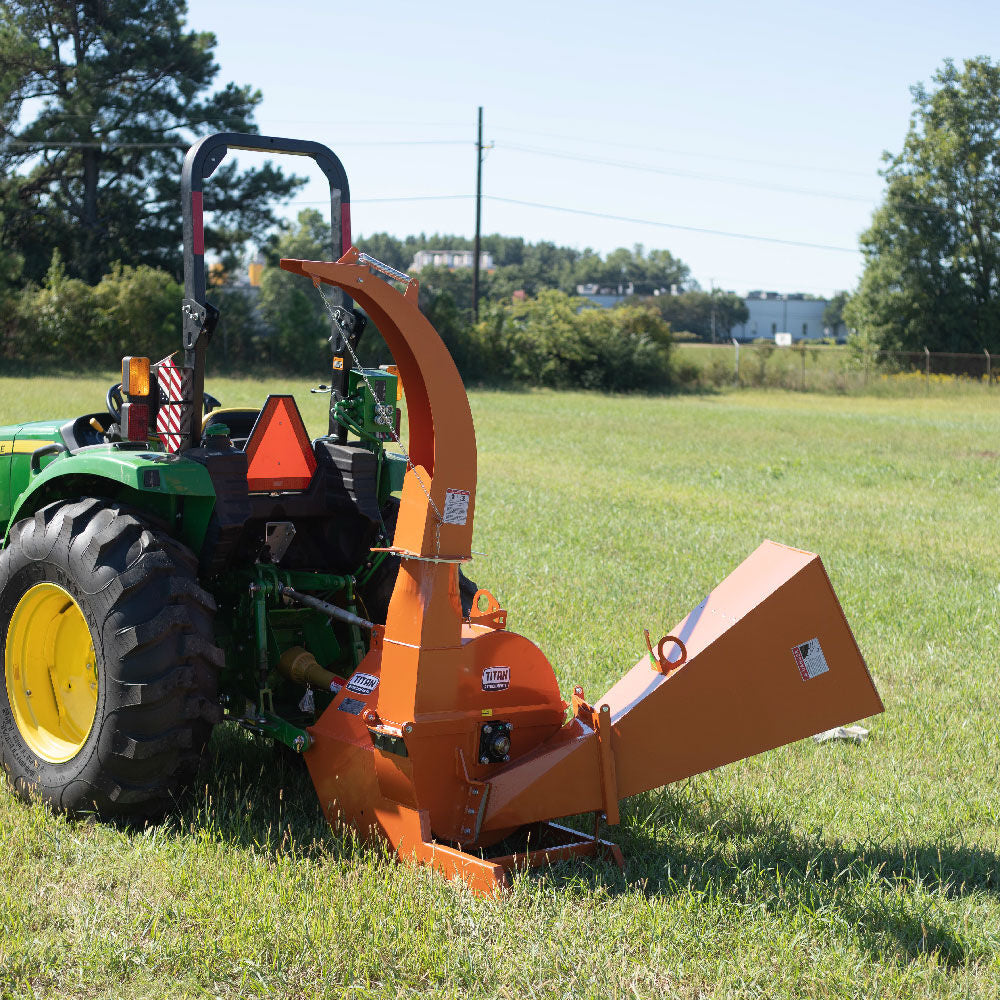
(239, 420)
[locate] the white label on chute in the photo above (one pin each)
(809, 659)
(456, 507)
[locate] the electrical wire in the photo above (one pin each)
(29, 144)
(671, 225)
(784, 165)
(673, 172)
(597, 215)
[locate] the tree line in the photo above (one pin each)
(93, 132)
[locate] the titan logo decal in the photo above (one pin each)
(496, 678)
(362, 683)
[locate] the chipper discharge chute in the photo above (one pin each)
(169, 564)
(452, 737)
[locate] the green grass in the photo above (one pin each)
(811, 871)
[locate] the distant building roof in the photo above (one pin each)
(452, 259)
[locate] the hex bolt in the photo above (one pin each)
(487, 729)
(605, 709)
(506, 756)
(482, 760)
(408, 728)
(578, 691)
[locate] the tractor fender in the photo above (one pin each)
(165, 486)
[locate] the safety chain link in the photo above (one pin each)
(333, 311)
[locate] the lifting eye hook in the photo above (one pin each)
(659, 661)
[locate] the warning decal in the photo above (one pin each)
(456, 507)
(362, 683)
(496, 678)
(809, 659)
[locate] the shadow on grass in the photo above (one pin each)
(252, 795)
(890, 896)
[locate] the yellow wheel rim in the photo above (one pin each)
(51, 673)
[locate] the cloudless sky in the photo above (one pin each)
(763, 119)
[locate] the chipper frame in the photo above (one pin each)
(452, 740)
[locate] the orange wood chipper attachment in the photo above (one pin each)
(453, 742)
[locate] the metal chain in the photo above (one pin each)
(332, 310)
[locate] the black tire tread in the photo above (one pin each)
(154, 624)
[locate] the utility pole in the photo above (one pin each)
(479, 215)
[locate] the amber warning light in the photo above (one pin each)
(135, 376)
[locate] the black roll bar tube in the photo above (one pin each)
(198, 316)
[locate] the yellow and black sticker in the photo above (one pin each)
(21, 447)
(338, 364)
(487, 712)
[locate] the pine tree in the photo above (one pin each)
(99, 100)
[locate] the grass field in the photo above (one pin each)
(811, 871)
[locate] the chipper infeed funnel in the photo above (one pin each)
(770, 659)
(452, 740)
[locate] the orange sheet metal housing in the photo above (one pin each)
(740, 691)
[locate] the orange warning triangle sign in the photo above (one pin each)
(279, 454)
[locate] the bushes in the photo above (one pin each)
(553, 340)
(565, 342)
(133, 310)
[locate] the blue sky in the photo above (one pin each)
(766, 119)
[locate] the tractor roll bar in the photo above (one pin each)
(199, 317)
(206, 154)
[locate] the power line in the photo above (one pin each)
(686, 152)
(598, 215)
(672, 225)
(412, 197)
(29, 144)
(673, 172)
(53, 116)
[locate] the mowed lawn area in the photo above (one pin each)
(812, 871)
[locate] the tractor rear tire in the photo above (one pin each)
(109, 662)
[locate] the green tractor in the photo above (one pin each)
(168, 563)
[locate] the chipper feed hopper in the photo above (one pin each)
(293, 594)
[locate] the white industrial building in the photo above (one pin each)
(794, 313)
(452, 259)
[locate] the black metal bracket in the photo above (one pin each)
(199, 320)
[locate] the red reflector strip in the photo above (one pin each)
(345, 227)
(135, 421)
